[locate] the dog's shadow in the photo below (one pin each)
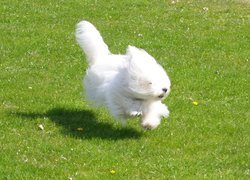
(84, 124)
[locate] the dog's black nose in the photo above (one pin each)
(164, 90)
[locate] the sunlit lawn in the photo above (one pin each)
(203, 45)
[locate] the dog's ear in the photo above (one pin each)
(135, 52)
(134, 63)
(134, 59)
(139, 61)
(139, 55)
(132, 50)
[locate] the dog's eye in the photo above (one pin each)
(150, 83)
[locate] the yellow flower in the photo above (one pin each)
(112, 171)
(195, 103)
(79, 129)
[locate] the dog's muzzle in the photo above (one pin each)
(165, 90)
(161, 96)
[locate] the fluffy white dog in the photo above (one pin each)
(133, 84)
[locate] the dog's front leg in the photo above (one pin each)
(152, 112)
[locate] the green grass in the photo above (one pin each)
(205, 52)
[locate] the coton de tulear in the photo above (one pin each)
(133, 84)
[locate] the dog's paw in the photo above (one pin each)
(150, 123)
(135, 113)
(149, 126)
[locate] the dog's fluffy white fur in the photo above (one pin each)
(133, 84)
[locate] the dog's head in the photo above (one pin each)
(146, 78)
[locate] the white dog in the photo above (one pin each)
(133, 84)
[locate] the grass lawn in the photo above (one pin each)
(203, 45)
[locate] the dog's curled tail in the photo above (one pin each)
(90, 40)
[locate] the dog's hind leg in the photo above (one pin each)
(134, 108)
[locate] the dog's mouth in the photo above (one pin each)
(161, 96)
(164, 93)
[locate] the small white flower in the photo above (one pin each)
(205, 8)
(174, 2)
(41, 127)
(63, 158)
